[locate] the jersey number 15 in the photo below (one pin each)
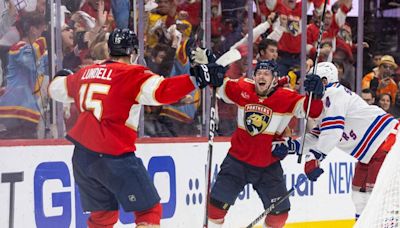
(86, 100)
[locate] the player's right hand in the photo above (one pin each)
(202, 56)
(208, 74)
(313, 84)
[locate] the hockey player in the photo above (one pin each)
(364, 131)
(109, 97)
(264, 111)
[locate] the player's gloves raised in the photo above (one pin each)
(313, 83)
(311, 167)
(202, 56)
(284, 147)
(208, 74)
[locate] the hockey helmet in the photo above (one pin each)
(122, 42)
(268, 65)
(326, 70)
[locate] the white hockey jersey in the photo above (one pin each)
(350, 124)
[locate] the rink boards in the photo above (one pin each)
(41, 180)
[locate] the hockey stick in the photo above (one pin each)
(281, 199)
(211, 135)
(321, 30)
(227, 58)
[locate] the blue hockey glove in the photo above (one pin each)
(284, 147)
(311, 167)
(313, 83)
(208, 74)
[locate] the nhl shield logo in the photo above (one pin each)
(256, 118)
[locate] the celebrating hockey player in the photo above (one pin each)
(264, 110)
(109, 97)
(364, 131)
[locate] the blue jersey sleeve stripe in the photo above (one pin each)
(333, 118)
(332, 127)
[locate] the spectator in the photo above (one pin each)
(368, 96)
(179, 118)
(8, 17)
(160, 59)
(268, 49)
(395, 109)
(19, 111)
(288, 26)
(91, 7)
(381, 82)
(341, 75)
(332, 23)
(385, 101)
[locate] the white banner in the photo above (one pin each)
(41, 180)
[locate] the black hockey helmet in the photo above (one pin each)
(122, 42)
(268, 65)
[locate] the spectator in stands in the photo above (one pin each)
(381, 82)
(332, 23)
(91, 7)
(70, 59)
(385, 101)
(19, 111)
(289, 12)
(376, 59)
(179, 118)
(193, 9)
(368, 96)
(8, 17)
(268, 49)
(160, 59)
(341, 75)
(395, 109)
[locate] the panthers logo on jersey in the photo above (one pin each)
(293, 25)
(256, 118)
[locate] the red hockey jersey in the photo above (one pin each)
(261, 119)
(108, 96)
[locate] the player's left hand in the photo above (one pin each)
(284, 147)
(208, 74)
(313, 84)
(311, 167)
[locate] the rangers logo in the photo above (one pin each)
(256, 118)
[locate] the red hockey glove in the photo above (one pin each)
(311, 167)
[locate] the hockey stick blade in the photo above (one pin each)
(281, 199)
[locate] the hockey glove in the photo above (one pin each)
(202, 56)
(208, 74)
(313, 83)
(284, 147)
(311, 167)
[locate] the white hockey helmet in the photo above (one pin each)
(326, 70)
